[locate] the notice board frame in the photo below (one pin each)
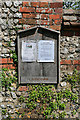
(58, 58)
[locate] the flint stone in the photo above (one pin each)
(67, 39)
(6, 10)
(34, 116)
(2, 55)
(3, 106)
(8, 100)
(17, 106)
(74, 90)
(69, 18)
(1, 99)
(12, 88)
(4, 15)
(16, 21)
(12, 44)
(68, 113)
(13, 95)
(13, 32)
(17, 3)
(10, 22)
(2, 22)
(72, 50)
(7, 55)
(13, 49)
(0, 44)
(17, 15)
(63, 84)
(71, 56)
(10, 15)
(0, 10)
(5, 50)
(10, 106)
(64, 51)
(7, 94)
(18, 94)
(77, 50)
(0, 39)
(14, 9)
(3, 93)
(8, 3)
(76, 107)
(24, 105)
(5, 33)
(3, 27)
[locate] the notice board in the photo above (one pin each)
(38, 56)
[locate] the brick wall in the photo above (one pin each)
(7, 63)
(42, 13)
(71, 23)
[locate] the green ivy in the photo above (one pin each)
(73, 79)
(21, 99)
(7, 78)
(47, 99)
(14, 57)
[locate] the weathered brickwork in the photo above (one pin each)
(42, 13)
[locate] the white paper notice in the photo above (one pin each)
(28, 51)
(46, 51)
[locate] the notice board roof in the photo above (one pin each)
(21, 31)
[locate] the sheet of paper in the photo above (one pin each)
(28, 51)
(46, 51)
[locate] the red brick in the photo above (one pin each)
(56, 5)
(43, 4)
(22, 88)
(45, 22)
(46, 0)
(70, 68)
(4, 60)
(26, 3)
(5, 66)
(11, 66)
(25, 9)
(65, 62)
(35, 4)
(44, 10)
(54, 16)
(67, 23)
(27, 21)
(57, 22)
(76, 62)
(59, 10)
(0, 60)
(56, 27)
(44, 16)
(0, 66)
(9, 60)
(28, 15)
(78, 67)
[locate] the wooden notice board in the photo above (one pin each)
(38, 55)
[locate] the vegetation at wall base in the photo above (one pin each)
(44, 99)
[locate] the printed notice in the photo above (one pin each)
(28, 51)
(46, 51)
